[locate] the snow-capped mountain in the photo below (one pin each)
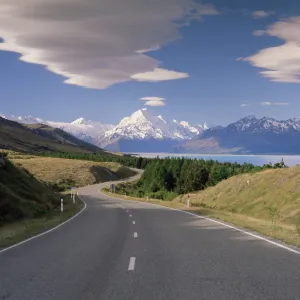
(249, 135)
(252, 124)
(22, 119)
(143, 126)
(141, 131)
(86, 130)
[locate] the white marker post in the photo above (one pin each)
(147, 197)
(62, 205)
(188, 201)
(73, 194)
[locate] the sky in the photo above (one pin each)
(214, 61)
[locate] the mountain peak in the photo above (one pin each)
(79, 121)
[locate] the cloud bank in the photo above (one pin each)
(281, 63)
(93, 43)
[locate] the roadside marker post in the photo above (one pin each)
(62, 205)
(73, 194)
(188, 201)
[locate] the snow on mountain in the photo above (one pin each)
(143, 125)
(22, 119)
(86, 130)
(249, 135)
(251, 124)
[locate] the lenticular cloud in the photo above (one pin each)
(93, 43)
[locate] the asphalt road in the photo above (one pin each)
(127, 250)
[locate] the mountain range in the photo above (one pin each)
(139, 132)
(249, 135)
(145, 132)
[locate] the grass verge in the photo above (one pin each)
(18, 231)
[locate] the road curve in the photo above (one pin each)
(123, 250)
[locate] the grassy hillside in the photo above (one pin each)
(23, 196)
(40, 138)
(62, 173)
(268, 202)
(31, 188)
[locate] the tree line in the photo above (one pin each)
(125, 160)
(165, 178)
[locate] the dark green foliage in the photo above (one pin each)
(166, 178)
(22, 196)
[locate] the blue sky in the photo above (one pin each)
(221, 52)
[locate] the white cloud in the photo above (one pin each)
(159, 75)
(280, 63)
(244, 105)
(95, 43)
(152, 99)
(274, 103)
(258, 14)
(155, 103)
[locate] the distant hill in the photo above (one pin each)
(249, 135)
(40, 138)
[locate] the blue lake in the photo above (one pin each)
(259, 160)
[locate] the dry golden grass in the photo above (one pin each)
(81, 173)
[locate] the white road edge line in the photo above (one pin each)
(135, 235)
(133, 222)
(48, 231)
(221, 223)
(131, 264)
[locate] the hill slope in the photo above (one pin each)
(23, 196)
(267, 201)
(63, 174)
(40, 138)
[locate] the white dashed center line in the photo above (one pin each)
(133, 222)
(130, 216)
(135, 235)
(131, 264)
